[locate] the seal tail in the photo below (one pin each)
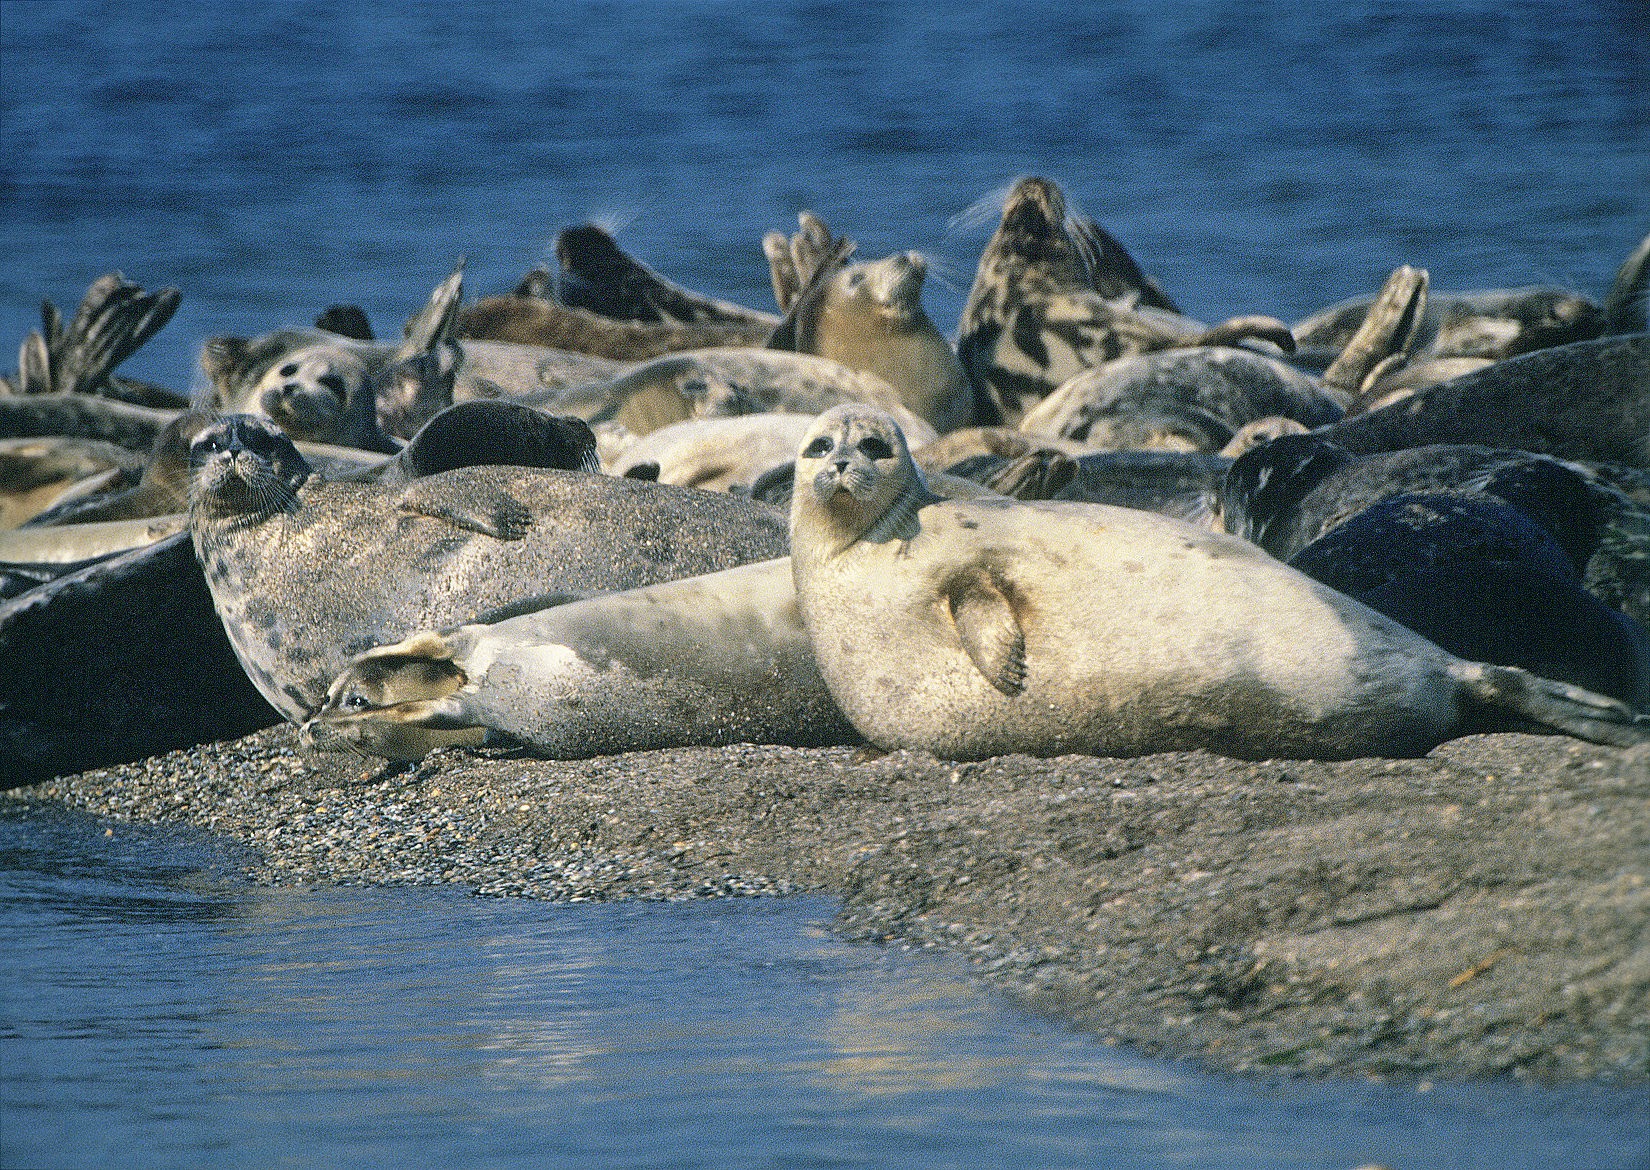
(1509, 690)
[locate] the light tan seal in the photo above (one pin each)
(715, 659)
(870, 316)
(971, 629)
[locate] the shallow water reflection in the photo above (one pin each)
(160, 1012)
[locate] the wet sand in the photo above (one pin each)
(1484, 911)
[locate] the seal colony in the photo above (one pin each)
(489, 487)
(1473, 912)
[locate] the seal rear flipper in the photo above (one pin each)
(437, 321)
(1510, 691)
(1388, 331)
(989, 630)
(488, 511)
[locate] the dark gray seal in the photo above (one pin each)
(306, 575)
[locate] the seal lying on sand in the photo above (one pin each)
(714, 659)
(970, 629)
(306, 575)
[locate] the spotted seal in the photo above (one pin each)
(715, 659)
(1035, 316)
(970, 629)
(305, 575)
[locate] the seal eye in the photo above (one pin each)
(355, 701)
(874, 448)
(818, 448)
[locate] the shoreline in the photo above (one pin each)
(1481, 912)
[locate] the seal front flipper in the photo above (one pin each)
(989, 630)
(487, 510)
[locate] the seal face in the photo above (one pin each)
(306, 574)
(974, 628)
(869, 316)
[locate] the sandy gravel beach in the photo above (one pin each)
(1484, 911)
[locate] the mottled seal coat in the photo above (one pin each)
(714, 659)
(730, 380)
(1587, 400)
(869, 316)
(306, 575)
(1296, 490)
(970, 629)
(1193, 399)
(1036, 315)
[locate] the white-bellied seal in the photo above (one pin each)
(970, 629)
(1191, 399)
(39, 474)
(715, 659)
(306, 575)
(869, 316)
(1035, 317)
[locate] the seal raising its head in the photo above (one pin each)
(976, 628)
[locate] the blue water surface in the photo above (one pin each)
(272, 158)
(158, 1011)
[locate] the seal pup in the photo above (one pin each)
(1589, 400)
(977, 628)
(714, 659)
(305, 574)
(1034, 318)
(869, 316)
(1192, 399)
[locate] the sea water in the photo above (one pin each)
(271, 159)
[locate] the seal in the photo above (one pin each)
(305, 575)
(1293, 492)
(717, 454)
(1035, 316)
(1589, 400)
(717, 383)
(600, 276)
(41, 474)
(971, 629)
(116, 661)
(870, 316)
(1484, 581)
(1191, 399)
(709, 660)
(114, 319)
